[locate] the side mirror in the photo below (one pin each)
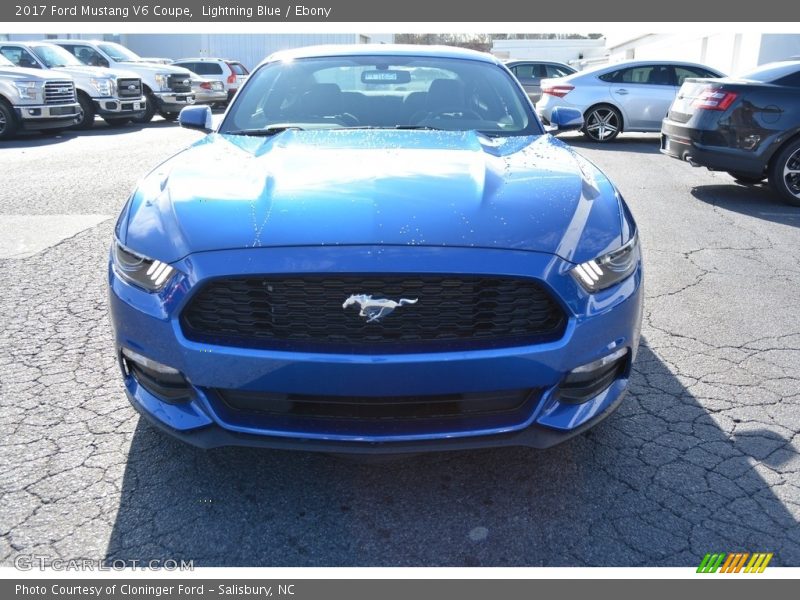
(565, 119)
(196, 117)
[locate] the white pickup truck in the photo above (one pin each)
(35, 99)
(167, 89)
(114, 95)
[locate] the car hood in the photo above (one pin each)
(142, 67)
(23, 74)
(82, 71)
(374, 187)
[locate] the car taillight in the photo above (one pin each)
(559, 91)
(232, 76)
(206, 85)
(714, 99)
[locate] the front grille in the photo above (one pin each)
(59, 92)
(404, 408)
(179, 83)
(129, 88)
(451, 312)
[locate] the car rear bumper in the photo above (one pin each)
(149, 324)
(690, 145)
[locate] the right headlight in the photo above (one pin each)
(28, 90)
(604, 271)
(147, 273)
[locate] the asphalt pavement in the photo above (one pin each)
(701, 457)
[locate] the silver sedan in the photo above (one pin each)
(625, 96)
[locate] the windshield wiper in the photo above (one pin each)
(265, 132)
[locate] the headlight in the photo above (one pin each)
(147, 273)
(161, 80)
(604, 271)
(104, 87)
(28, 90)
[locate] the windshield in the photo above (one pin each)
(119, 53)
(382, 92)
(55, 56)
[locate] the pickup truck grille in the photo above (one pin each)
(180, 83)
(129, 88)
(59, 92)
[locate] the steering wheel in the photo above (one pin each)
(454, 113)
(348, 119)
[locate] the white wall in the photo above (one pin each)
(565, 51)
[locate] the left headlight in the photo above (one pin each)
(147, 273)
(609, 269)
(104, 86)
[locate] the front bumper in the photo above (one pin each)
(149, 324)
(171, 102)
(47, 116)
(119, 107)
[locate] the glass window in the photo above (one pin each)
(557, 71)
(682, 73)
(383, 92)
(646, 74)
(20, 57)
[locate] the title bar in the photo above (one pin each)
(199, 11)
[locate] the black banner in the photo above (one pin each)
(397, 589)
(337, 11)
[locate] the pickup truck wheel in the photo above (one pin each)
(8, 121)
(86, 118)
(784, 173)
(169, 116)
(116, 121)
(149, 109)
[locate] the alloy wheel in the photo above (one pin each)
(791, 174)
(602, 124)
(3, 123)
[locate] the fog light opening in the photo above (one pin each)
(163, 381)
(586, 381)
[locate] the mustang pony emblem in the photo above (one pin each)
(377, 308)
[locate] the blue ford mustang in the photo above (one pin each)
(379, 249)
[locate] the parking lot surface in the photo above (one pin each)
(701, 457)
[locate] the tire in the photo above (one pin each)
(602, 123)
(149, 111)
(116, 121)
(746, 178)
(8, 121)
(169, 116)
(86, 118)
(784, 173)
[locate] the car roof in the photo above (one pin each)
(638, 63)
(203, 59)
(522, 61)
(381, 50)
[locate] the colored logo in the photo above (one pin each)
(735, 562)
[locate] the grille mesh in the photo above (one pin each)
(451, 311)
(129, 88)
(59, 92)
(176, 83)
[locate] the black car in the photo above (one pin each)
(748, 126)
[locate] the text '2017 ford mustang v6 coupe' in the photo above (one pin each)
(379, 249)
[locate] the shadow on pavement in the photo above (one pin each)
(659, 483)
(637, 143)
(755, 200)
